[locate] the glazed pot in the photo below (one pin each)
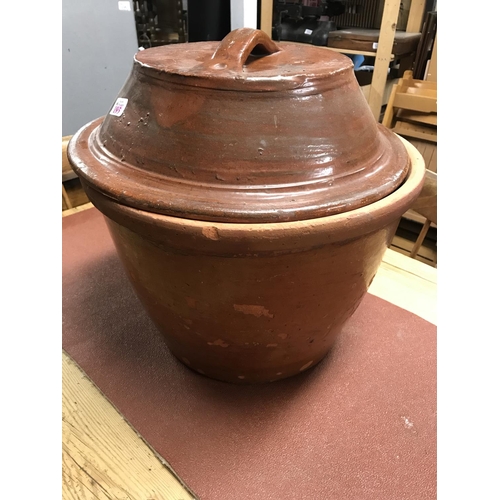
(250, 195)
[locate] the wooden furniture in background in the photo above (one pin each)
(413, 102)
(412, 113)
(425, 46)
(431, 73)
(67, 173)
(383, 54)
(426, 205)
(72, 191)
(66, 202)
(416, 16)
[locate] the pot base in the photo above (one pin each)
(249, 379)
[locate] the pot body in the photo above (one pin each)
(251, 303)
(250, 317)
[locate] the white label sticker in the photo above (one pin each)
(375, 45)
(119, 107)
(125, 5)
(308, 32)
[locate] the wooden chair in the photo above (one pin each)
(412, 113)
(412, 109)
(73, 194)
(426, 205)
(67, 173)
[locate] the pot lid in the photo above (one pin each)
(245, 130)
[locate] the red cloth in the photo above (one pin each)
(361, 425)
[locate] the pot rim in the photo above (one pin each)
(268, 236)
(89, 159)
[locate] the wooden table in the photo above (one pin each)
(105, 458)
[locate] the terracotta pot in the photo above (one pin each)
(250, 197)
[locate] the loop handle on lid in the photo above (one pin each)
(234, 50)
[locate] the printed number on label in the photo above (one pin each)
(119, 106)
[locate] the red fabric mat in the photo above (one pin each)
(361, 425)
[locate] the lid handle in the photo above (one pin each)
(234, 50)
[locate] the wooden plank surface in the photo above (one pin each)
(407, 283)
(420, 238)
(67, 171)
(426, 255)
(266, 17)
(74, 210)
(415, 16)
(420, 84)
(388, 118)
(75, 194)
(340, 51)
(359, 52)
(103, 457)
(383, 57)
(415, 217)
(66, 202)
(416, 117)
(431, 75)
(428, 150)
(423, 103)
(422, 89)
(416, 131)
(387, 92)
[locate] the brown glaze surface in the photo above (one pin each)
(251, 318)
(254, 302)
(361, 425)
(212, 132)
